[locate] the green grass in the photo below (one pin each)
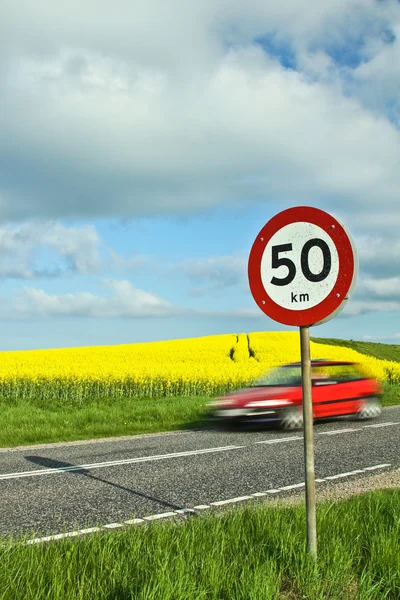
(382, 351)
(250, 553)
(38, 421)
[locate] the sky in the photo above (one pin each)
(144, 145)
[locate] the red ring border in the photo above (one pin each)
(331, 303)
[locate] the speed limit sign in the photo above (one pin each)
(302, 267)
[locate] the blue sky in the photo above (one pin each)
(140, 155)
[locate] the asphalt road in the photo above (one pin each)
(68, 487)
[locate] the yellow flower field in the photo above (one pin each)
(197, 366)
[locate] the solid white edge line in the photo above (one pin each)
(183, 511)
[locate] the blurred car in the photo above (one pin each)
(338, 389)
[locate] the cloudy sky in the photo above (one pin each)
(144, 144)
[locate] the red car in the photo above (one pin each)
(338, 389)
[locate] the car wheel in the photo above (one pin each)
(370, 409)
(293, 419)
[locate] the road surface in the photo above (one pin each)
(50, 489)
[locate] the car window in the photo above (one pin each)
(282, 376)
(336, 373)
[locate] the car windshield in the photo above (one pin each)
(291, 375)
(281, 376)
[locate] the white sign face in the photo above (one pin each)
(299, 266)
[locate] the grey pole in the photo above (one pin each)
(308, 441)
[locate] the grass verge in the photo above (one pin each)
(37, 421)
(250, 553)
(381, 351)
(24, 423)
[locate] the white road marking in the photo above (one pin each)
(142, 459)
(57, 536)
(112, 463)
(340, 475)
(185, 511)
(231, 501)
(160, 516)
(293, 486)
(133, 521)
(383, 424)
(60, 536)
(338, 431)
(377, 467)
(280, 440)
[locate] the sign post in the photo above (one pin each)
(308, 440)
(302, 269)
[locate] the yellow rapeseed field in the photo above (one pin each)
(196, 366)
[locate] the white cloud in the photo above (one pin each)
(214, 273)
(124, 300)
(379, 256)
(132, 110)
(360, 307)
(382, 288)
(76, 249)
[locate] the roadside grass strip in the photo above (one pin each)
(29, 423)
(251, 552)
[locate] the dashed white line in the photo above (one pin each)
(231, 501)
(292, 487)
(341, 475)
(133, 521)
(200, 507)
(160, 516)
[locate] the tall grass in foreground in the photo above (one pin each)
(252, 553)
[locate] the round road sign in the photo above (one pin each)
(302, 267)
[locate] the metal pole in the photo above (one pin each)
(308, 440)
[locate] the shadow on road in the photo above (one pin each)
(57, 465)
